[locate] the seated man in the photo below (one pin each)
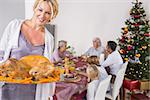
(97, 48)
(61, 52)
(114, 60)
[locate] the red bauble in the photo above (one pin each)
(129, 47)
(136, 16)
(122, 51)
(122, 40)
(147, 34)
(136, 25)
(125, 32)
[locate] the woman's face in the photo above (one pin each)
(63, 48)
(96, 43)
(42, 13)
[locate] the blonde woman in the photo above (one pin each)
(26, 37)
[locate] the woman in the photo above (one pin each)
(60, 53)
(96, 49)
(26, 37)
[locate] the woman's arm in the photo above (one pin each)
(83, 73)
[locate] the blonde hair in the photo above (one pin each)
(53, 5)
(92, 71)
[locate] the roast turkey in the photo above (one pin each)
(35, 66)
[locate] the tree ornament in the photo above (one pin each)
(144, 47)
(140, 48)
(126, 29)
(129, 47)
(137, 43)
(122, 40)
(138, 55)
(147, 34)
(132, 26)
(141, 38)
(136, 16)
(136, 25)
(136, 71)
(126, 59)
(122, 51)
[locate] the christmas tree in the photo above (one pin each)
(134, 43)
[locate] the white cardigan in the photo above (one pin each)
(9, 41)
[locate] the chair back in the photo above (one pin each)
(119, 80)
(102, 89)
(101, 60)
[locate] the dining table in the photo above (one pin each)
(73, 90)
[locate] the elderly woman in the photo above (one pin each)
(96, 49)
(60, 53)
(28, 37)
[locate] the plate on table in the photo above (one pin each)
(71, 78)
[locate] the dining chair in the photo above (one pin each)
(118, 83)
(102, 88)
(101, 59)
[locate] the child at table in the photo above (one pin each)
(95, 74)
(93, 81)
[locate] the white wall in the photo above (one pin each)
(81, 20)
(10, 9)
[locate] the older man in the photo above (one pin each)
(96, 49)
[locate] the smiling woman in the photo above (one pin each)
(29, 37)
(54, 6)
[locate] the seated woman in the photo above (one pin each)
(96, 49)
(60, 53)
